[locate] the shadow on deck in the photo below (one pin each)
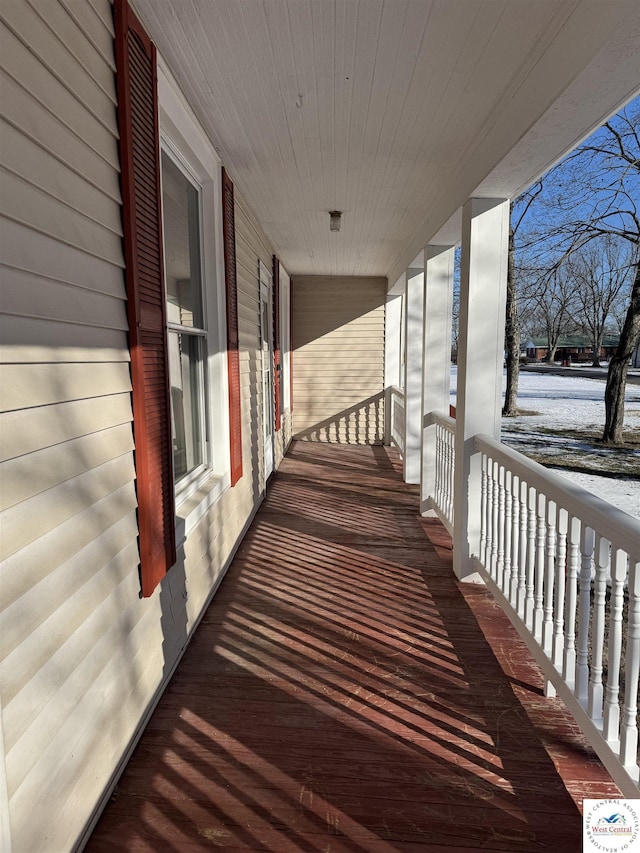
(344, 693)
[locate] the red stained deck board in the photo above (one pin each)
(344, 693)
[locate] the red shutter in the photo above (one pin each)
(291, 346)
(277, 355)
(140, 168)
(233, 348)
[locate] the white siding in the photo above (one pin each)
(67, 501)
(251, 246)
(338, 358)
(82, 657)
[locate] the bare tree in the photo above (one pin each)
(601, 271)
(555, 299)
(597, 192)
(619, 365)
(512, 336)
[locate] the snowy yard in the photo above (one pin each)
(575, 404)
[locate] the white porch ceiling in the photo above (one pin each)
(393, 111)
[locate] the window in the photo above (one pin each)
(186, 322)
(201, 306)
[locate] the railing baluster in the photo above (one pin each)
(569, 663)
(522, 559)
(443, 469)
(597, 639)
(587, 540)
(559, 589)
(629, 730)
(451, 441)
(495, 518)
(483, 508)
(538, 583)
(611, 724)
(513, 539)
(529, 602)
(549, 578)
(501, 518)
(489, 524)
(438, 489)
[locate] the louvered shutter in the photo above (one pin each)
(233, 348)
(291, 346)
(277, 354)
(140, 168)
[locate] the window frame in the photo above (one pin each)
(184, 141)
(185, 482)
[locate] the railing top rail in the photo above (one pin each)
(438, 418)
(393, 389)
(621, 529)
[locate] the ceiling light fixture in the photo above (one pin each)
(335, 218)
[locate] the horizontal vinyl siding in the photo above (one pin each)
(252, 246)
(338, 358)
(69, 592)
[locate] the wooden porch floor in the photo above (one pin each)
(344, 693)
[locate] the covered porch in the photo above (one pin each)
(345, 692)
(179, 307)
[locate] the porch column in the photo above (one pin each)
(483, 286)
(413, 374)
(392, 319)
(436, 361)
(392, 355)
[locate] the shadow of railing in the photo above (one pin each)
(340, 692)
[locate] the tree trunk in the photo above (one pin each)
(597, 346)
(618, 366)
(511, 336)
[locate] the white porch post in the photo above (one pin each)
(392, 318)
(483, 280)
(436, 360)
(413, 374)
(392, 355)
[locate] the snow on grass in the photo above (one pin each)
(567, 415)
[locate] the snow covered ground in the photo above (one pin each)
(575, 403)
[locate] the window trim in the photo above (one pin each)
(192, 478)
(185, 142)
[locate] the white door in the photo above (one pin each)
(266, 345)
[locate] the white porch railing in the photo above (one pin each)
(397, 417)
(542, 543)
(565, 567)
(442, 499)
